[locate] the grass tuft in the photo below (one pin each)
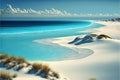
(20, 60)
(3, 56)
(45, 68)
(56, 74)
(28, 64)
(103, 36)
(40, 69)
(4, 75)
(8, 59)
(37, 66)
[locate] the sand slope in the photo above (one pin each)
(103, 64)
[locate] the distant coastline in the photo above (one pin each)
(53, 18)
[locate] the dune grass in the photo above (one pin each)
(28, 64)
(41, 69)
(45, 68)
(37, 66)
(20, 60)
(5, 75)
(18, 63)
(40, 66)
(56, 74)
(3, 56)
(103, 36)
(8, 60)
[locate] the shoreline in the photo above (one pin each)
(101, 64)
(77, 52)
(105, 58)
(63, 41)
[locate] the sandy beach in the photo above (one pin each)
(60, 40)
(98, 60)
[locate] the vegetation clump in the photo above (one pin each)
(3, 56)
(20, 60)
(37, 66)
(45, 69)
(8, 60)
(56, 74)
(5, 75)
(101, 36)
(18, 63)
(88, 38)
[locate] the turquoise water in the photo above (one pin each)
(19, 41)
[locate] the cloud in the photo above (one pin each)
(51, 12)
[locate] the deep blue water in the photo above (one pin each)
(16, 37)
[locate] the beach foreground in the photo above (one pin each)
(97, 60)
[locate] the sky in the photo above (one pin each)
(71, 6)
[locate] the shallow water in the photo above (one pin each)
(16, 38)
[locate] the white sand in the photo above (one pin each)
(112, 29)
(103, 64)
(100, 59)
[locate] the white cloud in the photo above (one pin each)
(46, 12)
(12, 10)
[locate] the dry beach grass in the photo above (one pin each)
(18, 63)
(5, 75)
